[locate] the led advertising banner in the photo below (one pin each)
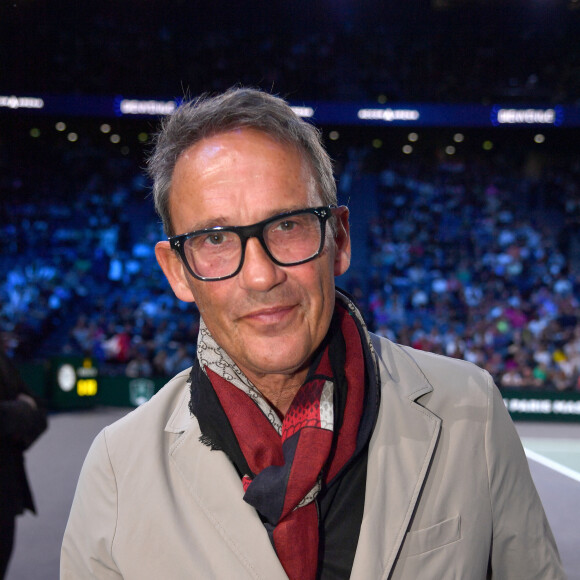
(321, 113)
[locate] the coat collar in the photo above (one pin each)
(181, 418)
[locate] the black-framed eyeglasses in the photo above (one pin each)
(288, 239)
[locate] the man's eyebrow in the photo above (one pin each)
(223, 221)
(208, 224)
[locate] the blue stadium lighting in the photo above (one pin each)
(323, 112)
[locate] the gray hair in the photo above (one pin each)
(237, 108)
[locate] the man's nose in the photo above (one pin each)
(258, 271)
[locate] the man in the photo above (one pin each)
(299, 445)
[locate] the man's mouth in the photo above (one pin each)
(270, 315)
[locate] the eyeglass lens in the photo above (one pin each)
(289, 240)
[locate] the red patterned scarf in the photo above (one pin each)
(286, 462)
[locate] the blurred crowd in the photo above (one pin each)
(80, 276)
(481, 265)
(472, 259)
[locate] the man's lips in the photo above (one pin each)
(270, 315)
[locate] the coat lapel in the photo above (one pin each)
(217, 490)
(400, 453)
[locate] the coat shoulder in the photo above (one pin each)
(439, 378)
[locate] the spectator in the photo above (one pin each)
(22, 420)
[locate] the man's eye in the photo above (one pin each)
(215, 239)
(286, 226)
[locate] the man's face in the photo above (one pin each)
(268, 318)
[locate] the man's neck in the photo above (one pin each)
(278, 389)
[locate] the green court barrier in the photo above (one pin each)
(120, 391)
(529, 405)
(73, 382)
(34, 375)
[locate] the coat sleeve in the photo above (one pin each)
(87, 545)
(523, 546)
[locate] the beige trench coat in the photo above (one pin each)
(449, 494)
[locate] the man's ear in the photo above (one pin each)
(174, 271)
(342, 241)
